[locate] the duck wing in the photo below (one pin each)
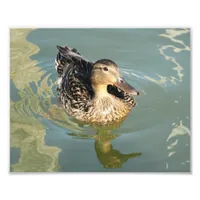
(74, 73)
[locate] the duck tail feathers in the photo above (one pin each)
(69, 52)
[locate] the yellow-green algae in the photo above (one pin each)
(26, 132)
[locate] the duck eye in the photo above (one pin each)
(105, 69)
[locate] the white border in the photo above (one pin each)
(103, 13)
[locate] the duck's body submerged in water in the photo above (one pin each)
(92, 92)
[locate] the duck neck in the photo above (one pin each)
(100, 91)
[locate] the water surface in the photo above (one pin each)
(154, 138)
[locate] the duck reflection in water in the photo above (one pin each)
(106, 154)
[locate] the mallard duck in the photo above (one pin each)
(92, 92)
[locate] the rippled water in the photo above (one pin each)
(154, 138)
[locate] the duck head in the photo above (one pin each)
(105, 73)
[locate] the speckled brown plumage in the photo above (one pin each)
(77, 94)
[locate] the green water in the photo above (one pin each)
(154, 138)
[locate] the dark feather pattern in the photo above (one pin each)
(75, 88)
(76, 92)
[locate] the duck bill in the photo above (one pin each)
(123, 85)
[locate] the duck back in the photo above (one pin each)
(74, 86)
